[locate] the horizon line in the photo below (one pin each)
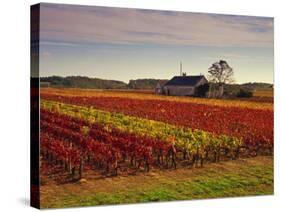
(271, 83)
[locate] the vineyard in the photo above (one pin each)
(115, 134)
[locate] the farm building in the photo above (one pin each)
(159, 89)
(184, 85)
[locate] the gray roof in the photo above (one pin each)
(185, 80)
(162, 82)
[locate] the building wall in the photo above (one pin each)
(202, 81)
(158, 89)
(179, 90)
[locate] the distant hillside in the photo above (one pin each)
(258, 86)
(83, 82)
(145, 84)
(141, 84)
(233, 89)
(96, 83)
(250, 86)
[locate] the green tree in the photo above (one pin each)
(221, 73)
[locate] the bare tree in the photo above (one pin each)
(221, 73)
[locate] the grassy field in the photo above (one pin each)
(243, 177)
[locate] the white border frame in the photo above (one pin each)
(14, 112)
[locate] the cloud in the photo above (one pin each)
(238, 57)
(71, 24)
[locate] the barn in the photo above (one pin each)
(159, 89)
(184, 85)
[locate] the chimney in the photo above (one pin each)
(180, 68)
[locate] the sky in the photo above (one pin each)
(124, 44)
